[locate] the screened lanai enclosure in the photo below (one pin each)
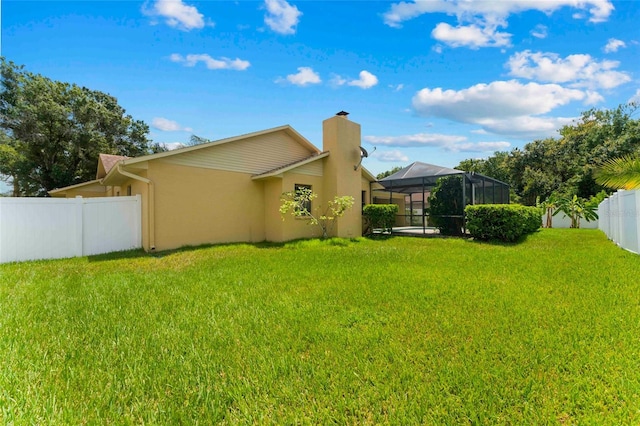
(431, 199)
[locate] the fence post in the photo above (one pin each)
(636, 217)
(138, 220)
(79, 225)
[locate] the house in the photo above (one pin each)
(229, 190)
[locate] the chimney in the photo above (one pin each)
(341, 137)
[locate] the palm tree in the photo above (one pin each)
(620, 173)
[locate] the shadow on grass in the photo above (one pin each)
(517, 242)
(308, 242)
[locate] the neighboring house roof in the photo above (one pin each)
(106, 163)
(285, 168)
(92, 185)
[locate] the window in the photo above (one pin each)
(303, 192)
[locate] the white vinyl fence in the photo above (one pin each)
(53, 228)
(619, 217)
(560, 220)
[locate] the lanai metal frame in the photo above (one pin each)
(420, 178)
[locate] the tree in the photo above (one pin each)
(565, 165)
(388, 172)
(446, 205)
(620, 173)
(53, 132)
(197, 140)
(297, 204)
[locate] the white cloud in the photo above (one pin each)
(468, 10)
(580, 70)
(365, 81)
(593, 98)
(635, 98)
(499, 98)
(397, 87)
(167, 125)
(502, 107)
(211, 63)
(613, 45)
(485, 17)
(390, 156)
(471, 36)
(479, 147)
(176, 14)
(526, 127)
(281, 17)
(337, 80)
(453, 143)
(304, 77)
(416, 140)
(540, 31)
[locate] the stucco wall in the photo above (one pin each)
(197, 206)
(294, 228)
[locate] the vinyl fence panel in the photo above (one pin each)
(109, 226)
(560, 220)
(53, 228)
(619, 217)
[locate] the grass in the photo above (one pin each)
(397, 331)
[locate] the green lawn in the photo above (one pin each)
(399, 331)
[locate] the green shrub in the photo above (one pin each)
(445, 205)
(503, 222)
(380, 216)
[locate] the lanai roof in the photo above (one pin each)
(418, 176)
(420, 170)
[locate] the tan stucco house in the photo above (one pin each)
(229, 190)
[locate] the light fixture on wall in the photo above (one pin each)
(363, 154)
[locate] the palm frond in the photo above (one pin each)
(620, 173)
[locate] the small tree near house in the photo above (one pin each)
(297, 204)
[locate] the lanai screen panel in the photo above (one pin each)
(421, 178)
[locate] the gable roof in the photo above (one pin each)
(287, 129)
(106, 163)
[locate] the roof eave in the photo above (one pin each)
(280, 171)
(286, 128)
(76, 186)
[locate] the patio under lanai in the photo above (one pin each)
(412, 186)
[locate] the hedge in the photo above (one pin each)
(380, 216)
(503, 222)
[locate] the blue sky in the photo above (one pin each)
(435, 81)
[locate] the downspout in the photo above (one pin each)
(151, 211)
